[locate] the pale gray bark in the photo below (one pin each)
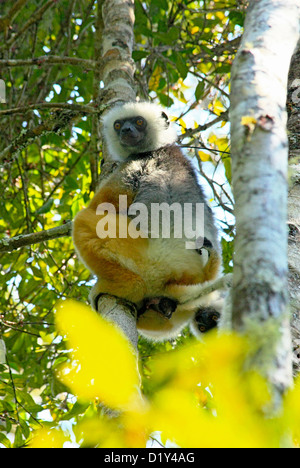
(122, 314)
(13, 243)
(293, 106)
(117, 45)
(259, 159)
(117, 74)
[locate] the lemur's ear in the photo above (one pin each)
(164, 116)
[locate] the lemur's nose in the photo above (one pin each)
(127, 128)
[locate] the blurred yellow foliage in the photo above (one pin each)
(204, 397)
(103, 365)
(194, 29)
(48, 438)
(248, 120)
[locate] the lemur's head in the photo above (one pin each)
(136, 127)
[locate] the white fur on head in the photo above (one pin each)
(158, 132)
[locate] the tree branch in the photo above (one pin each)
(33, 19)
(50, 60)
(201, 128)
(6, 20)
(122, 313)
(14, 243)
(50, 105)
(27, 137)
(57, 124)
(18, 5)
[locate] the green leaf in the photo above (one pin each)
(25, 428)
(71, 183)
(18, 344)
(19, 441)
(137, 55)
(37, 272)
(227, 165)
(166, 101)
(199, 90)
(237, 17)
(161, 4)
(4, 440)
(46, 207)
(181, 65)
(78, 408)
(75, 208)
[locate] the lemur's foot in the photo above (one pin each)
(163, 305)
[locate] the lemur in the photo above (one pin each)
(160, 274)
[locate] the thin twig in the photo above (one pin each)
(201, 128)
(14, 388)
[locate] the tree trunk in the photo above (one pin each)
(259, 159)
(117, 45)
(117, 74)
(293, 106)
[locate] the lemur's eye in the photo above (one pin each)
(117, 125)
(140, 121)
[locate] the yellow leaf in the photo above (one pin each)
(248, 121)
(230, 415)
(181, 85)
(48, 438)
(175, 413)
(220, 15)
(195, 29)
(102, 432)
(292, 410)
(181, 97)
(103, 363)
(46, 338)
(196, 51)
(204, 156)
(217, 107)
(180, 418)
(182, 123)
(154, 80)
(221, 143)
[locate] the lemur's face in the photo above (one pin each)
(131, 131)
